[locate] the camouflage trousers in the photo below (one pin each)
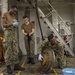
(11, 46)
(30, 46)
(61, 59)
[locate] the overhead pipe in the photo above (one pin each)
(4, 8)
(37, 13)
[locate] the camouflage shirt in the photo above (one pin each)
(44, 44)
(58, 47)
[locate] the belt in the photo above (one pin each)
(10, 28)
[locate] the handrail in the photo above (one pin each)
(58, 16)
(55, 31)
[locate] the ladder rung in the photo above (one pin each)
(49, 14)
(55, 31)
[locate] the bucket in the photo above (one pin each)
(68, 71)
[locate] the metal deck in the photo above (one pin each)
(35, 69)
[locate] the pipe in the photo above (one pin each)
(36, 7)
(4, 8)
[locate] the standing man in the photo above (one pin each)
(28, 31)
(10, 25)
(57, 47)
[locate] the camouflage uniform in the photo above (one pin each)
(58, 48)
(59, 52)
(44, 44)
(10, 42)
(30, 46)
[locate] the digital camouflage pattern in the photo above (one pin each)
(30, 47)
(11, 46)
(29, 40)
(10, 41)
(58, 49)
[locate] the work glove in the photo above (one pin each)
(15, 24)
(40, 57)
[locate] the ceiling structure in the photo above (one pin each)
(55, 3)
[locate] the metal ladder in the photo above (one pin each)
(46, 20)
(66, 28)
